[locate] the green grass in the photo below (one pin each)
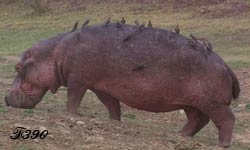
(129, 116)
(28, 112)
(19, 29)
(230, 38)
(247, 107)
(7, 71)
(2, 109)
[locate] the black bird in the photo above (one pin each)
(192, 43)
(193, 37)
(150, 24)
(85, 23)
(107, 21)
(140, 27)
(177, 29)
(123, 21)
(75, 26)
(137, 22)
(209, 46)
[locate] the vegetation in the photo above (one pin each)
(28, 111)
(247, 107)
(2, 109)
(20, 27)
(225, 23)
(129, 116)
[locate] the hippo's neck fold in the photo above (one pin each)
(58, 53)
(60, 73)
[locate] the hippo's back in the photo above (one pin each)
(125, 48)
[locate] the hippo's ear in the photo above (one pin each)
(25, 61)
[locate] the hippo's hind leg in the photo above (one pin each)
(112, 104)
(196, 121)
(223, 119)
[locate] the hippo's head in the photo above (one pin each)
(36, 74)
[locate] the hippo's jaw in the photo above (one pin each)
(18, 103)
(21, 100)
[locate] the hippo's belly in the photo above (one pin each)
(153, 105)
(145, 94)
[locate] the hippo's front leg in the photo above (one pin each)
(76, 92)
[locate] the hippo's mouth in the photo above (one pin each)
(21, 100)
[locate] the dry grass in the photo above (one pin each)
(20, 28)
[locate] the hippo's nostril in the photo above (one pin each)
(6, 101)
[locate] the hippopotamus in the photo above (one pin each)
(144, 67)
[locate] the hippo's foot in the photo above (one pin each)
(196, 121)
(225, 132)
(224, 145)
(223, 118)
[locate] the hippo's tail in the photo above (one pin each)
(236, 85)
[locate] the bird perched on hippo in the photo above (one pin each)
(147, 68)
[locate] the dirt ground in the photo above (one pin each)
(91, 129)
